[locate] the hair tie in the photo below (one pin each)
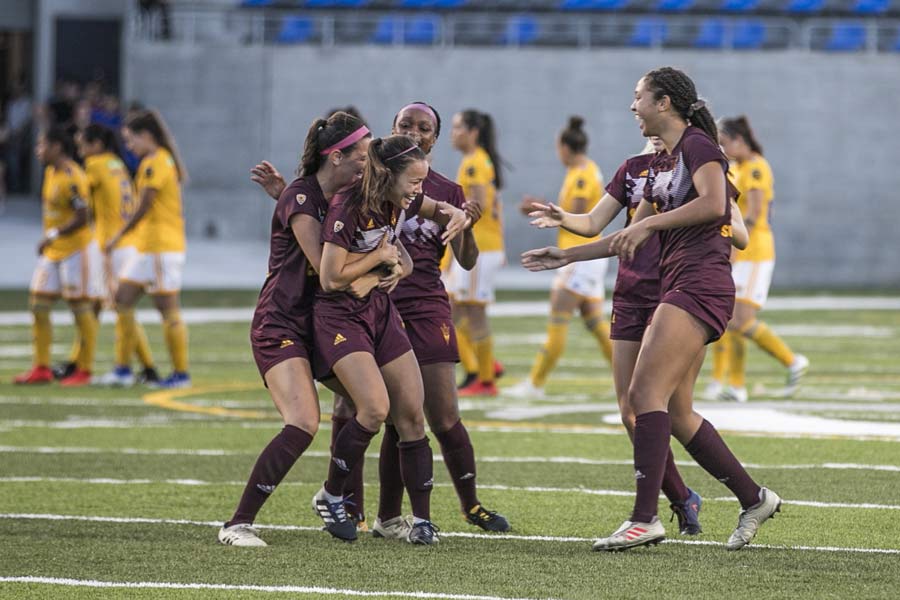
(399, 154)
(696, 106)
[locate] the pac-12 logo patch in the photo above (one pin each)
(338, 225)
(301, 198)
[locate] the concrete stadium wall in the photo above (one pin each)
(827, 122)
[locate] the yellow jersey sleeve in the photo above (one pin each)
(756, 174)
(585, 184)
(477, 169)
(162, 227)
(112, 197)
(64, 192)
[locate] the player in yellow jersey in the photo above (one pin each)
(158, 224)
(112, 203)
(471, 291)
(752, 271)
(64, 267)
(579, 285)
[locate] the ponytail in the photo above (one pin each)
(323, 134)
(682, 93)
(487, 139)
(573, 136)
(152, 122)
(740, 127)
(387, 158)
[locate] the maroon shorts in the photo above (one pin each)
(375, 329)
(628, 323)
(273, 345)
(715, 310)
(433, 340)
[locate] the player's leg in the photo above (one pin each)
(354, 489)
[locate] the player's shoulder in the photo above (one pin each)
(437, 181)
(637, 166)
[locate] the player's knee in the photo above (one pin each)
(442, 421)
(308, 423)
(373, 414)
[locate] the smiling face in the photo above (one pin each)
(647, 110)
(408, 183)
(349, 166)
(419, 125)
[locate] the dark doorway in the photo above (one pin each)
(89, 50)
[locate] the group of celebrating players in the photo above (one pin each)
(361, 296)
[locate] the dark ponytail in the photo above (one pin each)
(152, 122)
(324, 133)
(106, 136)
(387, 158)
(682, 93)
(573, 136)
(487, 139)
(740, 127)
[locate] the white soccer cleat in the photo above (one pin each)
(241, 534)
(751, 518)
(631, 535)
(713, 390)
(397, 528)
(795, 374)
(731, 393)
(118, 377)
(525, 389)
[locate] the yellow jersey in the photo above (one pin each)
(64, 191)
(112, 198)
(755, 174)
(162, 228)
(581, 183)
(476, 169)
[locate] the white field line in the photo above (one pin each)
(559, 460)
(449, 534)
(492, 487)
(283, 589)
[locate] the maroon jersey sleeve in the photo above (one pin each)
(616, 188)
(698, 149)
(340, 223)
(296, 199)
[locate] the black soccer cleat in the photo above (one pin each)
(334, 517)
(486, 519)
(469, 380)
(688, 513)
(63, 370)
(148, 376)
(423, 533)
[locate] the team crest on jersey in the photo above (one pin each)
(445, 331)
(338, 225)
(148, 172)
(756, 174)
(470, 171)
(301, 199)
(580, 184)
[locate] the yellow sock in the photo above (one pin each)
(737, 360)
(75, 352)
(466, 348)
(86, 322)
(769, 341)
(176, 339)
(484, 350)
(600, 328)
(720, 353)
(142, 345)
(42, 331)
(126, 336)
(553, 348)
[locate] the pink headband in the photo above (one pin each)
(399, 154)
(424, 108)
(347, 141)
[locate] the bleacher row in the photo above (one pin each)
(795, 8)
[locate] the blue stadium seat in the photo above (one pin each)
(648, 31)
(739, 5)
(673, 5)
(805, 6)
(384, 31)
(336, 3)
(432, 3)
(252, 3)
(871, 7)
(748, 35)
(296, 30)
(593, 4)
(520, 30)
(896, 46)
(847, 37)
(421, 30)
(711, 34)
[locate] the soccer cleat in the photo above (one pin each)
(486, 519)
(631, 535)
(731, 393)
(468, 380)
(35, 376)
(63, 370)
(423, 533)
(751, 518)
(688, 513)
(525, 389)
(499, 371)
(478, 388)
(120, 376)
(335, 518)
(148, 376)
(713, 390)
(174, 381)
(397, 528)
(77, 379)
(795, 374)
(240, 534)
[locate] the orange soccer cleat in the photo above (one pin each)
(76, 379)
(36, 375)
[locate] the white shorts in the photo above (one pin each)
(586, 278)
(78, 276)
(476, 285)
(158, 273)
(752, 281)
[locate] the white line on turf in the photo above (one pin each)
(457, 534)
(288, 589)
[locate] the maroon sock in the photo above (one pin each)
(417, 467)
(349, 447)
(651, 443)
(273, 464)
(354, 491)
(459, 456)
(710, 451)
(390, 501)
(672, 484)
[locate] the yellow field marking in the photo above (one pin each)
(168, 399)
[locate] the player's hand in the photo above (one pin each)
(458, 223)
(627, 241)
(42, 245)
(389, 282)
(543, 259)
(268, 178)
(360, 288)
(473, 211)
(528, 201)
(546, 215)
(388, 253)
(111, 245)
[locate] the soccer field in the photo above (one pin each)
(119, 493)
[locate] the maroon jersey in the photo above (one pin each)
(286, 299)
(637, 283)
(693, 259)
(422, 294)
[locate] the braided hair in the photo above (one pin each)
(682, 93)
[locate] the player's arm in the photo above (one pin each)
(268, 178)
(740, 237)
(551, 257)
(402, 269)
(755, 199)
(148, 196)
(584, 224)
(452, 219)
(79, 219)
(336, 271)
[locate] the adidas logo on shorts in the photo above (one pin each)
(338, 339)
